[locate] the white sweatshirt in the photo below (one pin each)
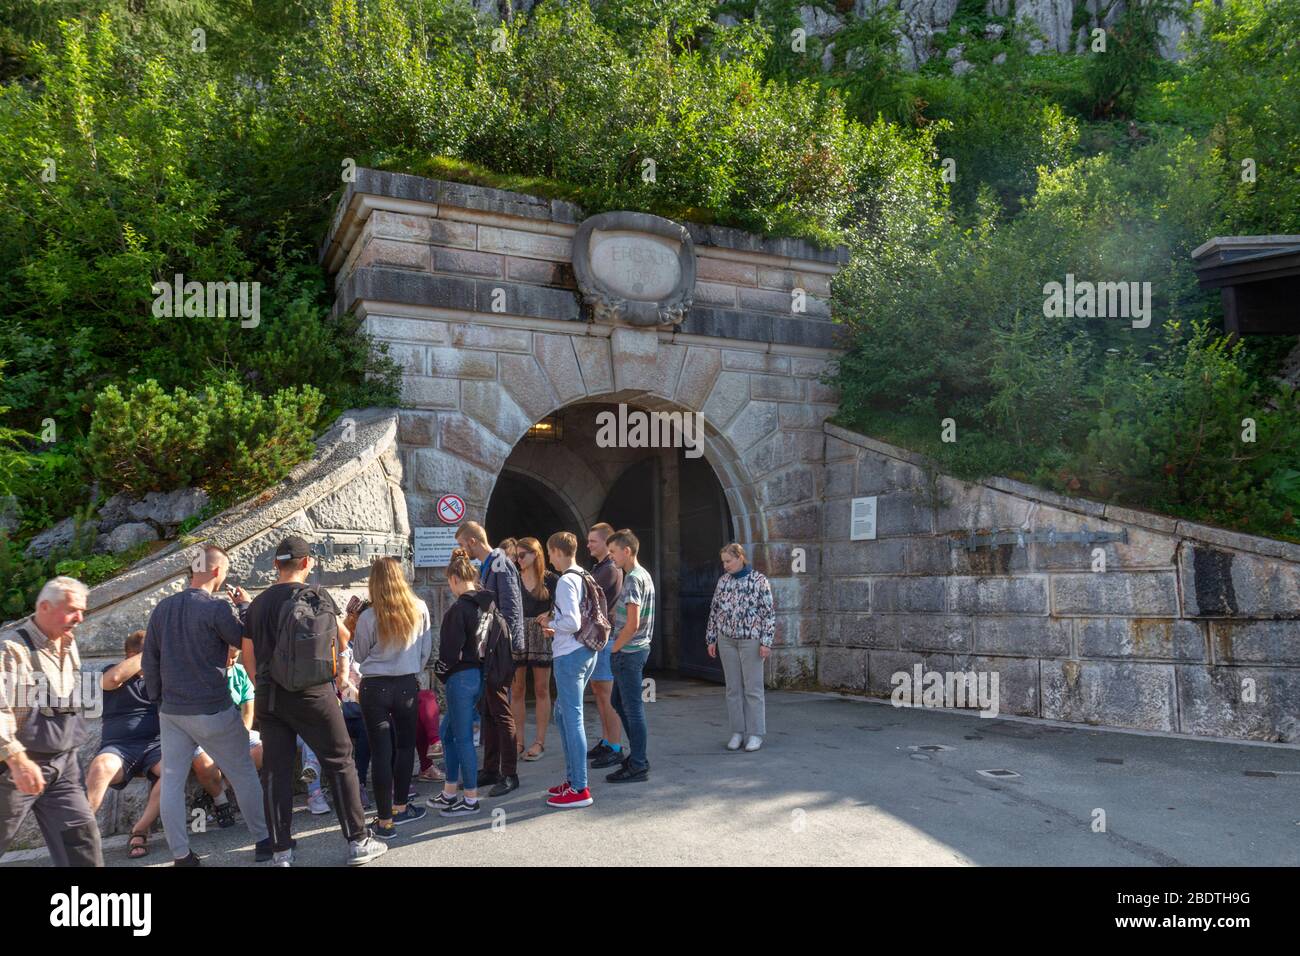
(567, 616)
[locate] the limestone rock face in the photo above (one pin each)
(126, 536)
(59, 536)
(115, 511)
(169, 509)
(8, 514)
(920, 20)
(1053, 17)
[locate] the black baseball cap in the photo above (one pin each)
(293, 548)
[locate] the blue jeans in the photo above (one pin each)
(360, 743)
(572, 671)
(626, 698)
(309, 759)
(463, 691)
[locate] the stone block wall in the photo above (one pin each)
(1189, 628)
(473, 293)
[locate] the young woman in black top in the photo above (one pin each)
(538, 593)
(460, 668)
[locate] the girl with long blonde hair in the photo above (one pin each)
(392, 640)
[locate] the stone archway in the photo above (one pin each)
(501, 308)
(762, 414)
(764, 451)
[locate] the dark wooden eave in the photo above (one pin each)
(1259, 278)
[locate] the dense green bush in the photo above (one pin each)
(1097, 407)
(1131, 59)
(1190, 432)
(226, 439)
(111, 160)
(998, 136)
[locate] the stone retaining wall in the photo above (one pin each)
(1189, 628)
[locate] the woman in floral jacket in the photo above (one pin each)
(742, 625)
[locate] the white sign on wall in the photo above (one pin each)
(433, 547)
(862, 521)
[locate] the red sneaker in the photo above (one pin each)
(571, 799)
(556, 791)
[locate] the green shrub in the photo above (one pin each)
(1131, 61)
(226, 439)
(998, 135)
(21, 579)
(22, 576)
(952, 326)
(1170, 435)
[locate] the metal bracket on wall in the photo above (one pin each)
(1051, 537)
(365, 548)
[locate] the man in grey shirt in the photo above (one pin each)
(184, 667)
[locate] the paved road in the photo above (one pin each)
(838, 783)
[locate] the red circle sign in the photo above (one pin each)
(451, 509)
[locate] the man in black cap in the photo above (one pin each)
(292, 609)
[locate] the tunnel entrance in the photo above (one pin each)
(558, 478)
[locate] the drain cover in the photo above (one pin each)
(929, 748)
(998, 773)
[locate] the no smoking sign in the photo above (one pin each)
(451, 509)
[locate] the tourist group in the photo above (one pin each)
(256, 695)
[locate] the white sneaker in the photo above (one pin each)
(364, 850)
(317, 803)
(282, 858)
(735, 741)
(753, 743)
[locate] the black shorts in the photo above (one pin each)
(138, 757)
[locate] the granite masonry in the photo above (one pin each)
(474, 292)
(1177, 627)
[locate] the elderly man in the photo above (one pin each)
(41, 726)
(186, 646)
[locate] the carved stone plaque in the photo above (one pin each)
(634, 267)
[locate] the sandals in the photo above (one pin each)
(539, 747)
(137, 850)
(432, 773)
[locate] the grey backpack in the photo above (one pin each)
(307, 641)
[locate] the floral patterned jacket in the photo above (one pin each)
(742, 609)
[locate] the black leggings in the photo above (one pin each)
(388, 707)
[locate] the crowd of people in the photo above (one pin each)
(254, 695)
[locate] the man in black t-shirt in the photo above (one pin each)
(314, 714)
(129, 746)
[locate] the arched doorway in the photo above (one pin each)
(522, 507)
(705, 523)
(567, 480)
(676, 507)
